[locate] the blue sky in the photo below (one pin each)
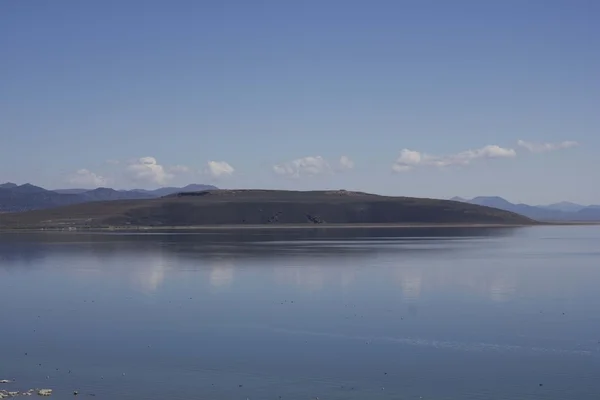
(416, 98)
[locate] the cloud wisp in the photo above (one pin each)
(411, 159)
(345, 163)
(219, 169)
(546, 147)
(305, 166)
(312, 166)
(179, 169)
(87, 179)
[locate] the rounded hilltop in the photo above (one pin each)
(246, 207)
(266, 193)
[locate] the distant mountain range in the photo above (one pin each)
(563, 211)
(14, 198)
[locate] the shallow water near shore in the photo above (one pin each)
(431, 313)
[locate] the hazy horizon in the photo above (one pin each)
(424, 99)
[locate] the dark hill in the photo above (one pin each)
(165, 191)
(250, 207)
(15, 198)
(27, 188)
(107, 194)
(29, 197)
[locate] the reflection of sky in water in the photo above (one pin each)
(410, 283)
(502, 289)
(150, 277)
(475, 315)
(222, 273)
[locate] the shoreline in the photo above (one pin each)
(143, 229)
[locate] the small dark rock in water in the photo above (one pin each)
(541, 384)
(385, 373)
(240, 385)
(75, 393)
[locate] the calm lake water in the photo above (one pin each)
(335, 314)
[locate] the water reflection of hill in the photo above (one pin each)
(25, 249)
(418, 261)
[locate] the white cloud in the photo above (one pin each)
(345, 163)
(147, 169)
(311, 166)
(465, 157)
(86, 178)
(218, 169)
(407, 160)
(546, 147)
(410, 159)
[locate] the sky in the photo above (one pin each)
(410, 98)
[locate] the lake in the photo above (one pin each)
(445, 313)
